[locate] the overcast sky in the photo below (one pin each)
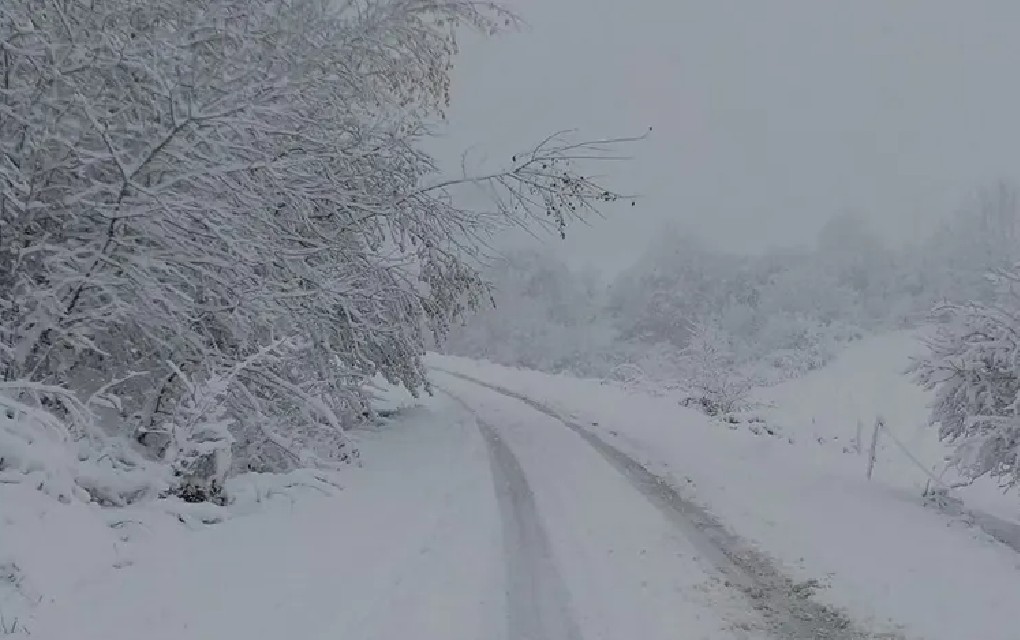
(769, 116)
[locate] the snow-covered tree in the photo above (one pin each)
(544, 315)
(676, 282)
(184, 185)
(973, 365)
(788, 309)
(983, 236)
(711, 370)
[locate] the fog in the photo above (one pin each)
(251, 308)
(769, 117)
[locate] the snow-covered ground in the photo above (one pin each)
(499, 513)
(877, 551)
(865, 382)
(303, 565)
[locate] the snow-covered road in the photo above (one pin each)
(480, 516)
(512, 506)
(635, 558)
(537, 604)
(792, 510)
(586, 555)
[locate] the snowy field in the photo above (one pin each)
(867, 382)
(494, 512)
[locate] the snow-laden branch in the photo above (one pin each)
(184, 184)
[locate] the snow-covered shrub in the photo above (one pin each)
(39, 449)
(973, 365)
(199, 446)
(789, 345)
(654, 372)
(711, 371)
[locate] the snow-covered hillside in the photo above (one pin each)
(866, 382)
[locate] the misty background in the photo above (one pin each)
(769, 118)
(814, 173)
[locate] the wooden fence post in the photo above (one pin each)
(879, 423)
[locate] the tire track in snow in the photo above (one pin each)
(537, 601)
(786, 607)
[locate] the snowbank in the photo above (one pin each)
(54, 553)
(309, 568)
(292, 557)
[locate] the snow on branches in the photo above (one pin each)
(186, 185)
(973, 365)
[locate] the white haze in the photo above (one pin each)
(247, 355)
(769, 117)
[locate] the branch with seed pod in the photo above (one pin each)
(544, 185)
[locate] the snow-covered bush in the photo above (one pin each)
(973, 365)
(789, 345)
(712, 374)
(65, 462)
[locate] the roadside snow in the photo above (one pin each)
(302, 564)
(863, 383)
(877, 552)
